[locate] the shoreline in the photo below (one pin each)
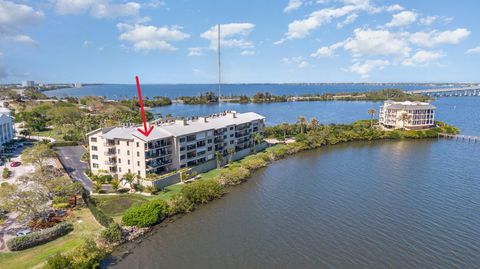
(279, 151)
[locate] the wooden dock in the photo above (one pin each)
(465, 138)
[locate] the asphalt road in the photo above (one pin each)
(70, 158)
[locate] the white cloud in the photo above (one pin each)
(434, 38)
(376, 42)
(403, 18)
(327, 52)
(195, 51)
(87, 43)
(149, 37)
(423, 58)
(97, 8)
(350, 19)
(23, 39)
(248, 53)
(298, 61)
(475, 50)
(395, 7)
(368, 66)
(14, 17)
(292, 5)
(428, 20)
(231, 35)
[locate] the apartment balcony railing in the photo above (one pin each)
(109, 144)
(154, 165)
(158, 155)
(110, 153)
(110, 163)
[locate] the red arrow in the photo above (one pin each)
(146, 131)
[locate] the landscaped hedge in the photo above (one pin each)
(103, 219)
(64, 143)
(146, 214)
(40, 237)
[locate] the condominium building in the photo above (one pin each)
(407, 115)
(7, 131)
(28, 83)
(172, 144)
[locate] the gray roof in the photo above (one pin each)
(178, 129)
(408, 105)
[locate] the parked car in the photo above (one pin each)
(24, 232)
(15, 164)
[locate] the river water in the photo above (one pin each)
(388, 204)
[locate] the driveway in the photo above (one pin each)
(70, 158)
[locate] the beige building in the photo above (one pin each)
(418, 115)
(172, 144)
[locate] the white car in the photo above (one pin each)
(24, 232)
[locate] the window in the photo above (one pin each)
(94, 148)
(129, 171)
(209, 141)
(231, 142)
(138, 163)
(231, 135)
(128, 152)
(128, 143)
(118, 151)
(93, 139)
(128, 162)
(94, 157)
(119, 169)
(95, 165)
(138, 154)
(209, 148)
(138, 172)
(182, 157)
(182, 148)
(182, 139)
(231, 128)
(119, 160)
(138, 144)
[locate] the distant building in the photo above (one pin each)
(77, 85)
(172, 145)
(7, 131)
(407, 115)
(28, 83)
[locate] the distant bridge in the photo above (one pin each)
(459, 91)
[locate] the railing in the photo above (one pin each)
(110, 153)
(466, 138)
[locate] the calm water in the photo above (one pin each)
(397, 204)
(119, 91)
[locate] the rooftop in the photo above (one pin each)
(165, 129)
(408, 105)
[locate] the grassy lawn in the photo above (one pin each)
(55, 134)
(115, 205)
(84, 226)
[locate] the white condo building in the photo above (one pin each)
(28, 83)
(7, 131)
(172, 144)
(419, 115)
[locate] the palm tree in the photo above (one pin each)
(219, 158)
(302, 122)
(184, 176)
(404, 117)
(372, 113)
(97, 186)
(314, 123)
(115, 184)
(257, 138)
(129, 178)
(231, 152)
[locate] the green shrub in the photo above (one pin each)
(5, 173)
(202, 191)
(103, 219)
(61, 205)
(86, 256)
(60, 199)
(234, 175)
(64, 143)
(179, 204)
(113, 234)
(253, 163)
(145, 214)
(40, 237)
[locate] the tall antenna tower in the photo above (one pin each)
(219, 66)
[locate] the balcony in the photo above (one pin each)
(156, 164)
(110, 153)
(161, 153)
(111, 163)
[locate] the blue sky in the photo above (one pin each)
(173, 41)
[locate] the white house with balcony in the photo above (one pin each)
(407, 115)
